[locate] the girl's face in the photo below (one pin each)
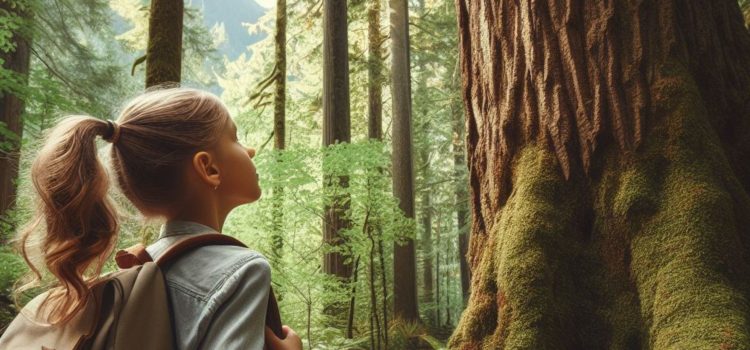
(239, 179)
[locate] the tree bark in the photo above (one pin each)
(279, 129)
(607, 147)
(427, 250)
(404, 264)
(374, 72)
(164, 52)
(336, 128)
(11, 109)
(462, 189)
(462, 212)
(375, 131)
(279, 135)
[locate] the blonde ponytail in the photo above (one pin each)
(79, 220)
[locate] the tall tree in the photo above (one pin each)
(423, 143)
(427, 243)
(375, 132)
(164, 52)
(15, 60)
(404, 264)
(336, 128)
(374, 72)
(608, 146)
(279, 124)
(459, 173)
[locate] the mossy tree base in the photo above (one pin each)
(645, 244)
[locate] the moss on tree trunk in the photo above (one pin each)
(643, 241)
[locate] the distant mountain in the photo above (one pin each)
(232, 13)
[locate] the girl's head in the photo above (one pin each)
(176, 146)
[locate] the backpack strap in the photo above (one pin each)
(137, 255)
(194, 242)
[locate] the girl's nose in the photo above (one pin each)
(251, 151)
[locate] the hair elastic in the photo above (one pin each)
(113, 131)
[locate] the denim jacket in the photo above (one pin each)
(218, 294)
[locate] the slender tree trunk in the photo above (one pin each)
(404, 273)
(384, 293)
(608, 147)
(374, 72)
(427, 251)
(422, 119)
(374, 319)
(164, 52)
(447, 272)
(437, 271)
(336, 128)
(461, 204)
(279, 110)
(279, 131)
(11, 110)
(375, 131)
(352, 300)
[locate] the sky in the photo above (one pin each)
(269, 4)
(233, 13)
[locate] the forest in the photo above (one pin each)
(461, 174)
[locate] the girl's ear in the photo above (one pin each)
(204, 163)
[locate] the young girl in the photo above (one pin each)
(176, 156)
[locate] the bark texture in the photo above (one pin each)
(404, 256)
(164, 52)
(607, 146)
(336, 120)
(279, 128)
(11, 109)
(462, 211)
(374, 72)
(279, 100)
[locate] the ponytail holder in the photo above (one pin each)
(113, 132)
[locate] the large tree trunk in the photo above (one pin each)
(336, 128)
(607, 147)
(164, 52)
(404, 264)
(11, 109)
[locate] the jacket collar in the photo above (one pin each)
(181, 227)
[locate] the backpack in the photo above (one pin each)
(128, 308)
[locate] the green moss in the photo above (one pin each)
(11, 268)
(680, 258)
(662, 264)
(533, 232)
(527, 265)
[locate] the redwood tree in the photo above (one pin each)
(16, 61)
(336, 129)
(607, 146)
(404, 264)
